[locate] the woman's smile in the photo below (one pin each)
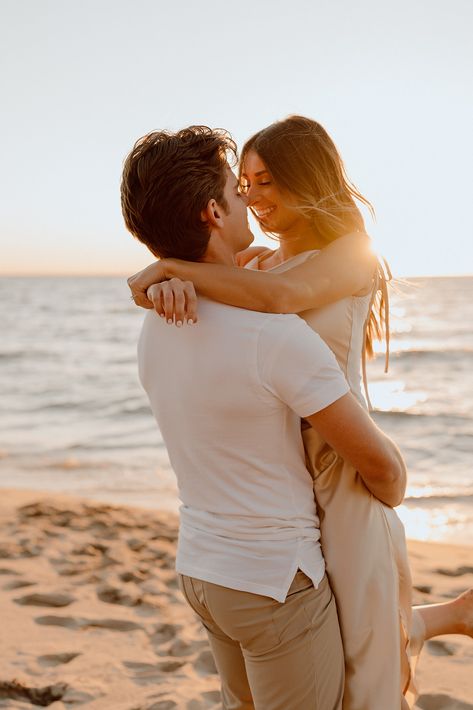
(262, 212)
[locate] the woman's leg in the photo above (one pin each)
(453, 617)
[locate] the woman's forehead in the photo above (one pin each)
(253, 164)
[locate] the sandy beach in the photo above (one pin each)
(92, 615)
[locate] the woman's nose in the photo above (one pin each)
(252, 195)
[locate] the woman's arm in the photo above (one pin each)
(343, 268)
(347, 427)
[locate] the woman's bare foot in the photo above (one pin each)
(464, 610)
(453, 617)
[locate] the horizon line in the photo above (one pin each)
(101, 274)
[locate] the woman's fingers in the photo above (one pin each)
(142, 280)
(179, 301)
(185, 301)
(167, 296)
(174, 300)
(191, 302)
(153, 294)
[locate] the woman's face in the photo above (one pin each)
(271, 207)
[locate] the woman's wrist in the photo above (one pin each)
(164, 269)
(177, 268)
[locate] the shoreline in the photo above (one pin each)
(93, 615)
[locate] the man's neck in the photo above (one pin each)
(218, 255)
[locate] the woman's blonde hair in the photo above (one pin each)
(304, 161)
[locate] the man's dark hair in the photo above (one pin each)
(168, 179)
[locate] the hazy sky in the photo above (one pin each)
(391, 80)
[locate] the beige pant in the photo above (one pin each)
(273, 656)
(364, 548)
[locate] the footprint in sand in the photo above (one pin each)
(5, 570)
(55, 599)
(212, 696)
(170, 666)
(440, 701)
(69, 622)
(36, 696)
(163, 634)
(91, 549)
(13, 550)
(458, 572)
(111, 624)
(114, 595)
(441, 648)
(17, 584)
(183, 648)
(67, 569)
(130, 576)
(151, 672)
(205, 663)
(195, 705)
(172, 583)
(56, 659)
(423, 588)
(162, 705)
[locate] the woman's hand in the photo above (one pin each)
(142, 280)
(174, 300)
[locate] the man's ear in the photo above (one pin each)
(212, 214)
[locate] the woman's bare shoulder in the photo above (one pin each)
(245, 256)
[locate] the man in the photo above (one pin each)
(228, 395)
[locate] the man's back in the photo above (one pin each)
(228, 395)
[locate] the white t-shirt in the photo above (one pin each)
(228, 394)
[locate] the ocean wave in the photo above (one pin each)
(133, 410)
(122, 446)
(122, 409)
(439, 499)
(72, 464)
(417, 416)
(12, 355)
(453, 355)
(30, 354)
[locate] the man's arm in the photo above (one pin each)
(351, 432)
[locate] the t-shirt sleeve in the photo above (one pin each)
(297, 367)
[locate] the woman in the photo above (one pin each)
(297, 188)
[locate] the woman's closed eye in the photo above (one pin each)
(244, 187)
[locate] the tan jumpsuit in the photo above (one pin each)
(362, 539)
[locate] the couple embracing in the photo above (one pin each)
(306, 599)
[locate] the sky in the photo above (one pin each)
(81, 80)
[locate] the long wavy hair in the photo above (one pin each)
(304, 162)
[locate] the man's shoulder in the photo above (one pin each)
(288, 338)
(231, 316)
(215, 319)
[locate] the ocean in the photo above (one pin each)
(73, 417)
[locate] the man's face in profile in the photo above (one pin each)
(237, 230)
